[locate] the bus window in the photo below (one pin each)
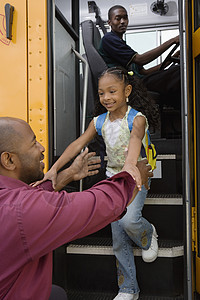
(166, 35)
(66, 8)
(144, 40)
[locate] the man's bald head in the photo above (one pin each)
(21, 156)
(10, 135)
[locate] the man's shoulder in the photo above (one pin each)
(110, 39)
(9, 183)
(109, 35)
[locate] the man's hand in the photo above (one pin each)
(50, 175)
(145, 171)
(135, 173)
(85, 165)
(175, 39)
(176, 54)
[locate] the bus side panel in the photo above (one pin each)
(38, 72)
(13, 71)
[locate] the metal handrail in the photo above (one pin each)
(85, 90)
(185, 143)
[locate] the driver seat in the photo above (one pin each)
(91, 41)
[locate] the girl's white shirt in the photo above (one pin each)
(116, 135)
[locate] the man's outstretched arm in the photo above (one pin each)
(84, 165)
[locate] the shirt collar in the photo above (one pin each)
(11, 183)
(117, 35)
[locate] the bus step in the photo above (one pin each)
(164, 199)
(103, 246)
(160, 298)
(75, 295)
(163, 277)
(96, 263)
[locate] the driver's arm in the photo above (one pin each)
(147, 57)
(144, 71)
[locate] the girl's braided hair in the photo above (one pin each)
(138, 98)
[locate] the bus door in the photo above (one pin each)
(190, 39)
(65, 76)
(90, 271)
(196, 106)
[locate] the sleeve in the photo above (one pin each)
(141, 115)
(51, 219)
(117, 49)
(95, 122)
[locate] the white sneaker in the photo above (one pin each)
(125, 296)
(151, 254)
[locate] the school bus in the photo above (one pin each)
(45, 80)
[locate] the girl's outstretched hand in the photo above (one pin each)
(135, 173)
(137, 176)
(133, 170)
(50, 175)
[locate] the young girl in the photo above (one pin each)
(118, 93)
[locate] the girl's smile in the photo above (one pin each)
(108, 105)
(113, 94)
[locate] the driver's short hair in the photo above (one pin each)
(110, 12)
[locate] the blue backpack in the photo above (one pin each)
(149, 151)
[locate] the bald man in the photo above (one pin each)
(35, 221)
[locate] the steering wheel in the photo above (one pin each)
(169, 57)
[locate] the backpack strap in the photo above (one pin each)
(101, 119)
(131, 115)
(148, 137)
(148, 144)
(99, 123)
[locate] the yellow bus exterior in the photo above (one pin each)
(24, 80)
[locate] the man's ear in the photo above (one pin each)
(128, 90)
(8, 161)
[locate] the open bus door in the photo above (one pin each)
(190, 38)
(195, 17)
(196, 92)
